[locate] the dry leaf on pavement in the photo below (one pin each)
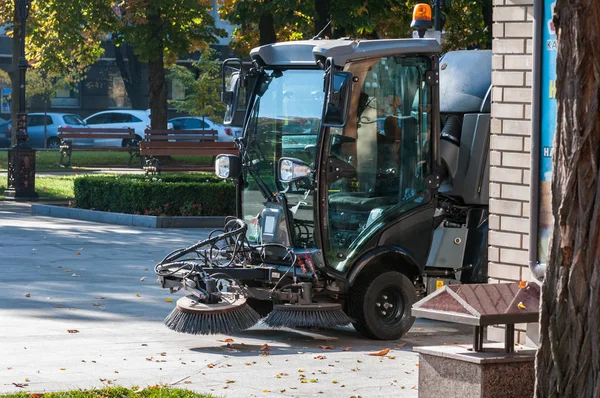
(264, 347)
(73, 331)
(326, 347)
(229, 340)
(380, 353)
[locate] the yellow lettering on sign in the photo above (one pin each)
(552, 91)
(439, 284)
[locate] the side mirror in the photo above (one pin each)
(339, 89)
(292, 169)
(232, 80)
(228, 166)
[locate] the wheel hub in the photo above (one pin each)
(389, 306)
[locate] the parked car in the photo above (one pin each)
(138, 120)
(37, 122)
(225, 133)
(5, 133)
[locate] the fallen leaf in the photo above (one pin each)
(210, 365)
(229, 340)
(303, 381)
(346, 349)
(68, 270)
(313, 380)
(27, 379)
(264, 354)
(63, 368)
(300, 370)
(416, 364)
(116, 371)
(266, 390)
(379, 353)
(27, 295)
(391, 357)
(521, 306)
(359, 361)
(163, 354)
(320, 357)
(522, 284)
(73, 331)
(229, 381)
(20, 385)
(401, 345)
(334, 381)
(78, 253)
(169, 300)
(264, 347)
(96, 304)
(326, 347)
(282, 390)
(187, 382)
(138, 295)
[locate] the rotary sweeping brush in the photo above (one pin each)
(193, 317)
(324, 315)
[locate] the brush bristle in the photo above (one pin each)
(232, 321)
(282, 317)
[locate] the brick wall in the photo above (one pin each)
(510, 145)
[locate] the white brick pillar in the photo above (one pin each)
(510, 145)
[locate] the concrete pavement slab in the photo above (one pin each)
(80, 308)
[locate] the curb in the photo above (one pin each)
(134, 220)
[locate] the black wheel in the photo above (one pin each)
(380, 304)
(53, 143)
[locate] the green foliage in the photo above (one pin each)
(44, 84)
(167, 194)
(202, 93)
(465, 25)
(163, 29)
(385, 19)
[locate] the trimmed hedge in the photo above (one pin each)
(194, 194)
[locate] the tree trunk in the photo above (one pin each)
(132, 72)
(157, 82)
(266, 27)
(568, 359)
(322, 17)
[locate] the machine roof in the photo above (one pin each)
(307, 52)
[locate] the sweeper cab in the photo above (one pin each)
(362, 184)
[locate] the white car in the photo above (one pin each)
(136, 119)
(224, 133)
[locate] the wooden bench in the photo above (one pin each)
(67, 135)
(163, 143)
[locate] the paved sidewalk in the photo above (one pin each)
(80, 308)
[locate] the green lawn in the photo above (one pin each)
(49, 187)
(49, 160)
(115, 392)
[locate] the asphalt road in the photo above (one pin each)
(80, 308)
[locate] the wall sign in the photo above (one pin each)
(547, 128)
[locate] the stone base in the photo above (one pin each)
(455, 371)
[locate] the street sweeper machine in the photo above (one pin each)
(362, 184)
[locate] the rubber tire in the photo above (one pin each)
(51, 141)
(362, 301)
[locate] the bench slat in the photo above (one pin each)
(187, 151)
(98, 135)
(95, 130)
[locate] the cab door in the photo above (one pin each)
(377, 164)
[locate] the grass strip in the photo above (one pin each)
(48, 160)
(115, 392)
(49, 187)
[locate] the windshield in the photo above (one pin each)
(284, 121)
